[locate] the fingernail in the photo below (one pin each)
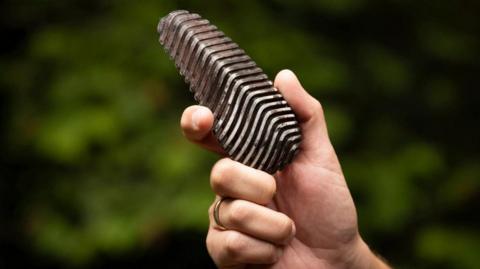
(279, 253)
(294, 231)
(197, 117)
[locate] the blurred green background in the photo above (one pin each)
(95, 172)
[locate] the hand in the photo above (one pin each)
(302, 217)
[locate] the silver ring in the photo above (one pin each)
(216, 213)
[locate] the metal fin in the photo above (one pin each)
(252, 121)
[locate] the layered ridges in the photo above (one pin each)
(253, 123)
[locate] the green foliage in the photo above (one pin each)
(92, 106)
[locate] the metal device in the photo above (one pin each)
(252, 121)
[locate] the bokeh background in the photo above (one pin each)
(95, 172)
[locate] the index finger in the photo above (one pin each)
(196, 124)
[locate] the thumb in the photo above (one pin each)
(316, 146)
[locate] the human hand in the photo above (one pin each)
(301, 217)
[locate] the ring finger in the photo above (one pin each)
(253, 219)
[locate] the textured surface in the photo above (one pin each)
(253, 123)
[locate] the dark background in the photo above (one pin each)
(95, 172)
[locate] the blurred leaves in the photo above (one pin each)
(96, 163)
(389, 72)
(448, 44)
(451, 247)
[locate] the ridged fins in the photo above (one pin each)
(252, 121)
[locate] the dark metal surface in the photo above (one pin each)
(253, 123)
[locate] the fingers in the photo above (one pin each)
(316, 145)
(233, 179)
(257, 221)
(230, 249)
(234, 249)
(197, 120)
(196, 123)
(304, 105)
(250, 233)
(251, 188)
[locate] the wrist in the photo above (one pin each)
(360, 256)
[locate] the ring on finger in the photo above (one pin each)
(216, 212)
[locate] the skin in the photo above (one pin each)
(300, 217)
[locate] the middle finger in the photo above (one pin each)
(256, 220)
(233, 179)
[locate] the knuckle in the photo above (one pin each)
(285, 228)
(235, 245)
(238, 213)
(212, 245)
(219, 175)
(317, 106)
(209, 242)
